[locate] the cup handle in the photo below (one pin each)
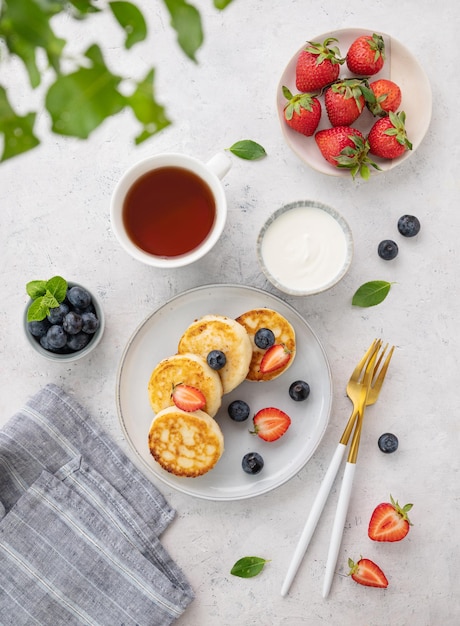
(219, 164)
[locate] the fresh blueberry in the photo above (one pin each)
(38, 329)
(408, 225)
(90, 323)
(79, 297)
(264, 338)
(216, 359)
(56, 337)
(299, 390)
(72, 323)
(388, 443)
(78, 342)
(252, 463)
(239, 410)
(57, 314)
(388, 249)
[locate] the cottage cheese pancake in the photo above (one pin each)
(283, 331)
(184, 443)
(217, 332)
(188, 369)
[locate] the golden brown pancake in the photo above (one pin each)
(284, 334)
(184, 443)
(217, 332)
(188, 369)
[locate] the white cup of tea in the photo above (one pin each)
(169, 210)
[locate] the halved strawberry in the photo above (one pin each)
(389, 522)
(366, 572)
(276, 357)
(270, 423)
(187, 398)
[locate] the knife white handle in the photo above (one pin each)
(339, 523)
(315, 513)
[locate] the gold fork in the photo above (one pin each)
(354, 388)
(366, 396)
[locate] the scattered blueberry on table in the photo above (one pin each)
(408, 225)
(388, 443)
(388, 249)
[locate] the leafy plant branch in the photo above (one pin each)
(79, 101)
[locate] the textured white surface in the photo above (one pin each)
(55, 219)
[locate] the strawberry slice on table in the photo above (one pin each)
(366, 572)
(318, 65)
(276, 357)
(389, 521)
(270, 423)
(187, 398)
(302, 112)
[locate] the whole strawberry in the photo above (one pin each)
(318, 65)
(366, 55)
(344, 101)
(385, 97)
(388, 138)
(345, 147)
(302, 112)
(389, 521)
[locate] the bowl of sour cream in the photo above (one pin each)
(305, 248)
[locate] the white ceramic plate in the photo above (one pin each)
(157, 338)
(400, 66)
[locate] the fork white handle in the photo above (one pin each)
(315, 513)
(338, 527)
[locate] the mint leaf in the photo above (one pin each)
(57, 287)
(46, 295)
(248, 149)
(248, 566)
(36, 288)
(371, 293)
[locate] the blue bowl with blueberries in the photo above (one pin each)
(63, 321)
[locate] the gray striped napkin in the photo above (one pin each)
(80, 525)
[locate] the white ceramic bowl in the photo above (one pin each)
(70, 356)
(305, 248)
(400, 66)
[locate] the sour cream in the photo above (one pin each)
(305, 249)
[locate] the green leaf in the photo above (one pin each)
(17, 130)
(36, 288)
(79, 102)
(25, 26)
(186, 21)
(151, 114)
(84, 7)
(37, 311)
(248, 149)
(57, 287)
(248, 566)
(371, 293)
(221, 4)
(46, 295)
(131, 20)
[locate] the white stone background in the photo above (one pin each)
(55, 219)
